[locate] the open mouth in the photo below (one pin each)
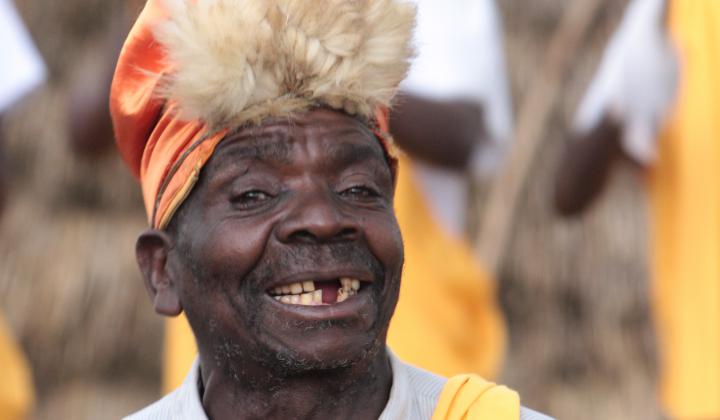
(317, 293)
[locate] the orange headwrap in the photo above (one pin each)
(166, 150)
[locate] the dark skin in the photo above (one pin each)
(418, 123)
(293, 200)
(89, 125)
(585, 167)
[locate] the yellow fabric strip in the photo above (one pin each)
(469, 397)
(447, 301)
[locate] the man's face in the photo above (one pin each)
(288, 251)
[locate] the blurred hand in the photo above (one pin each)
(89, 123)
(636, 82)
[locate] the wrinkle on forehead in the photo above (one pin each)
(271, 146)
(275, 143)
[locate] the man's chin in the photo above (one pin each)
(326, 354)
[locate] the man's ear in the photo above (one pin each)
(151, 251)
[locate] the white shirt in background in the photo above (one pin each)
(636, 82)
(22, 67)
(460, 57)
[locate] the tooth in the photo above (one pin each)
(306, 299)
(346, 282)
(296, 288)
(278, 291)
(285, 299)
(342, 295)
(317, 297)
(277, 297)
(308, 286)
(295, 299)
(285, 290)
(355, 285)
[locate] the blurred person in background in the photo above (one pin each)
(23, 71)
(656, 101)
(456, 91)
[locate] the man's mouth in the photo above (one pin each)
(316, 293)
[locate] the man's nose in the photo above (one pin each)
(317, 217)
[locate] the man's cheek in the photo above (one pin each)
(387, 244)
(235, 250)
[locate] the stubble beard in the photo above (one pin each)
(279, 359)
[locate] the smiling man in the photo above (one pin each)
(258, 133)
(286, 259)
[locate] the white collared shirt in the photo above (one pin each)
(413, 396)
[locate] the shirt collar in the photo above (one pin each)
(190, 406)
(398, 405)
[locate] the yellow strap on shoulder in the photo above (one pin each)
(469, 397)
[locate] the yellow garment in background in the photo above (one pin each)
(685, 197)
(179, 352)
(469, 397)
(447, 320)
(16, 392)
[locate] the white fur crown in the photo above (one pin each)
(237, 61)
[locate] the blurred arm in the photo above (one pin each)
(90, 127)
(623, 109)
(443, 133)
(89, 123)
(585, 167)
(454, 108)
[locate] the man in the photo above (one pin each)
(257, 132)
(466, 332)
(624, 115)
(462, 98)
(26, 72)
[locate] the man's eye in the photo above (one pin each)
(360, 191)
(250, 199)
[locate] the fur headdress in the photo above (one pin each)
(242, 60)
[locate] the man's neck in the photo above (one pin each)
(357, 392)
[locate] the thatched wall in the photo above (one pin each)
(575, 292)
(68, 280)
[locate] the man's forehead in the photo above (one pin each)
(341, 140)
